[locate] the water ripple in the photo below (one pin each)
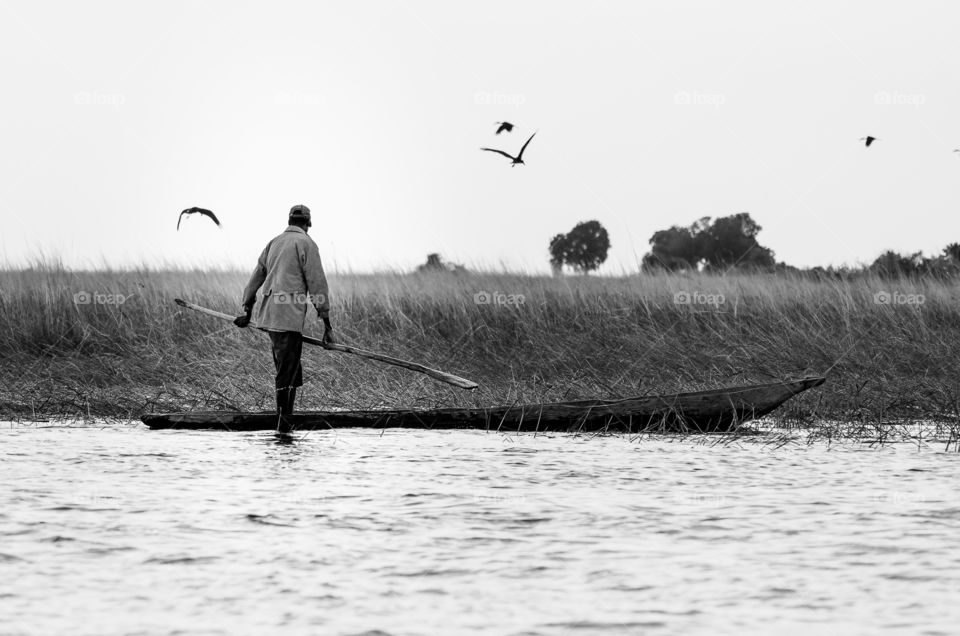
(413, 532)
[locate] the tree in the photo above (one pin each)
(558, 253)
(731, 241)
(727, 242)
(435, 263)
(677, 248)
(890, 264)
(583, 248)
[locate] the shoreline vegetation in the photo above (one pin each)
(112, 343)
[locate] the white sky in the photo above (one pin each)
(117, 115)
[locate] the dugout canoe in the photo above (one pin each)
(718, 410)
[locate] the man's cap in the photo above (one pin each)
(300, 212)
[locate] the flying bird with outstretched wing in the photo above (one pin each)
(514, 160)
(504, 126)
(869, 140)
(202, 212)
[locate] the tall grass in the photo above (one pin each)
(572, 337)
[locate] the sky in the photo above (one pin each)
(117, 115)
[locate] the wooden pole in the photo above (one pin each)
(449, 378)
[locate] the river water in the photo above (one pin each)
(120, 530)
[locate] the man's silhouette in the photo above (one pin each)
(292, 278)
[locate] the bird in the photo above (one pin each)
(869, 140)
(504, 125)
(516, 160)
(195, 210)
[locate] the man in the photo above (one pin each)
(290, 272)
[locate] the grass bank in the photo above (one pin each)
(538, 339)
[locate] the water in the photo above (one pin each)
(122, 530)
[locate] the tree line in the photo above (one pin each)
(730, 243)
(717, 245)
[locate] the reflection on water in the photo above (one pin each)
(121, 530)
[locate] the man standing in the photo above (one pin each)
(290, 272)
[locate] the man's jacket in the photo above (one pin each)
(293, 282)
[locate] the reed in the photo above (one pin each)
(131, 349)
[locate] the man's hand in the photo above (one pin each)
(244, 320)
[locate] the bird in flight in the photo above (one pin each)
(869, 140)
(516, 160)
(195, 210)
(504, 125)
